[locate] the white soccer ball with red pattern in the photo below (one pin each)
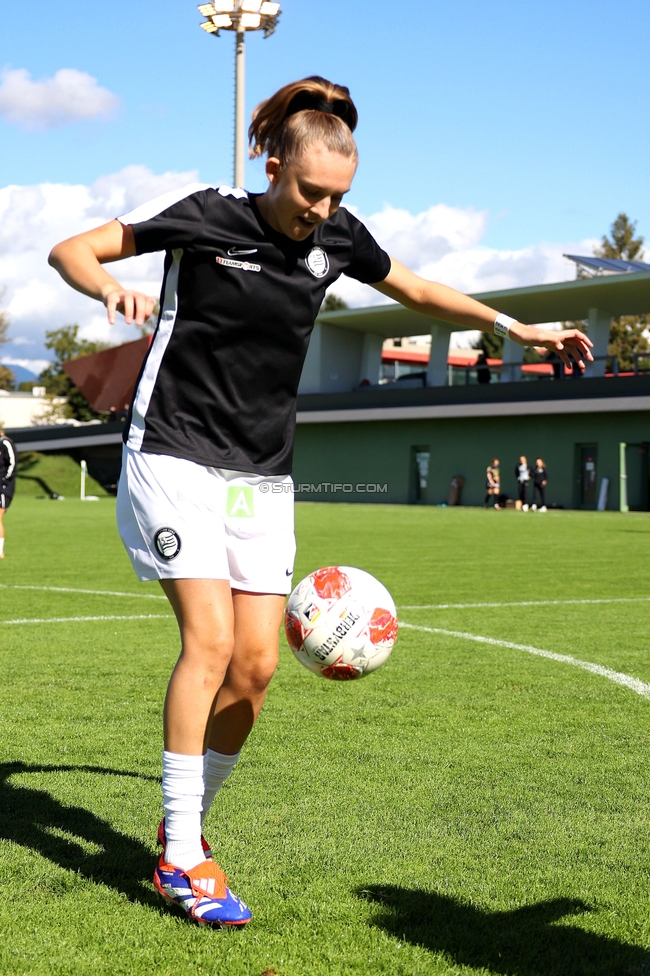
(341, 623)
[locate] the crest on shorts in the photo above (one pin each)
(168, 543)
(318, 262)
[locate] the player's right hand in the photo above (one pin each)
(134, 306)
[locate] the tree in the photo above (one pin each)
(7, 378)
(332, 303)
(627, 334)
(490, 344)
(623, 245)
(66, 346)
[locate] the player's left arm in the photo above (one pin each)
(441, 302)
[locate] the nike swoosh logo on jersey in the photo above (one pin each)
(243, 265)
(235, 252)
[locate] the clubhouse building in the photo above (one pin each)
(361, 438)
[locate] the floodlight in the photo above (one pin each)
(206, 9)
(224, 6)
(251, 6)
(208, 27)
(250, 21)
(269, 9)
(222, 20)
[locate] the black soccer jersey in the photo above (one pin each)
(238, 305)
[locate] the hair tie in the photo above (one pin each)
(322, 106)
(307, 101)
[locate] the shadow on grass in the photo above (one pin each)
(29, 816)
(39, 481)
(522, 942)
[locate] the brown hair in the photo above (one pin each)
(303, 112)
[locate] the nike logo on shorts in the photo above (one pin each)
(235, 252)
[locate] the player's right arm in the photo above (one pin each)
(79, 260)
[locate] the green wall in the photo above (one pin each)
(380, 452)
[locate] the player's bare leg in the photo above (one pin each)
(254, 659)
(2, 533)
(204, 611)
(184, 875)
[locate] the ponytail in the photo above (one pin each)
(303, 112)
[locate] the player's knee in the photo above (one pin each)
(254, 677)
(210, 652)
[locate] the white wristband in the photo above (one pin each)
(502, 325)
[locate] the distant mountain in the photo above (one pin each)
(22, 375)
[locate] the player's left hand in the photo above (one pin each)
(566, 343)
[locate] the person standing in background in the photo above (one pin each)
(7, 481)
(540, 478)
(522, 474)
(483, 374)
(492, 484)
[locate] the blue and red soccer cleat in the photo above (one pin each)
(162, 840)
(202, 892)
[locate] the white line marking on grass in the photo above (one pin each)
(521, 603)
(71, 620)
(634, 684)
(70, 589)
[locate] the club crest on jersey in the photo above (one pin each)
(168, 543)
(318, 262)
(242, 265)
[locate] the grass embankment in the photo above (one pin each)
(42, 475)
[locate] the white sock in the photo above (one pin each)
(217, 767)
(182, 783)
(2, 544)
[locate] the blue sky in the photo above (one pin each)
(533, 115)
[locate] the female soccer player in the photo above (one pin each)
(7, 481)
(212, 425)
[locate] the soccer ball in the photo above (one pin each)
(340, 623)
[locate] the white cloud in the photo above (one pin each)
(68, 96)
(33, 219)
(442, 243)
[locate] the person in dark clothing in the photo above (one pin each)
(492, 484)
(522, 474)
(540, 478)
(483, 374)
(557, 364)
(7, 481)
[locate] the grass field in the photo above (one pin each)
(473, 807)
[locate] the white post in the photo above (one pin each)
(371, 358)
(84, 471)
(513, 357)
(240, 107)
(599, 326)
(437, 368)
(622, 478)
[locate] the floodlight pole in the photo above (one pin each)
(240, 108)
(240, 16)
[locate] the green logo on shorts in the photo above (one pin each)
(240, 502)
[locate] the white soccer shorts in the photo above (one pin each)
(181, 520)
